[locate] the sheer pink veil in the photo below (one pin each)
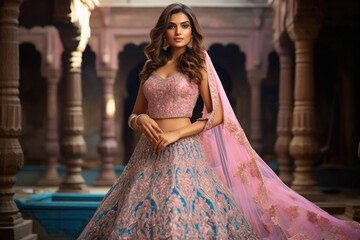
(276, 211)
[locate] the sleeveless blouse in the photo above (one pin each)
(171, 97)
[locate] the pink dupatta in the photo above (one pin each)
(274, 210)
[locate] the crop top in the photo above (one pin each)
(171, 97)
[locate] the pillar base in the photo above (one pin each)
(46, 182)
(104, 182)
(106, 178)
(73, 189)
(21, 231)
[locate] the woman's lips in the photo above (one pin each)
(178, 39)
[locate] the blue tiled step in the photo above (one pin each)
(62, 215)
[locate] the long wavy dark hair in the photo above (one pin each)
(190, 62)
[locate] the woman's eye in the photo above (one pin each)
(186, 26)
(171, 26)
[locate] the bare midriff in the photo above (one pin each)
(171, 124)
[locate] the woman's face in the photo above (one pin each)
(178, 32)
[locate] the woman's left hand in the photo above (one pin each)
(164, 140)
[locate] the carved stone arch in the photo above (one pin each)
(47, 41)
(37, 37)
(33, 98)
(241, 38)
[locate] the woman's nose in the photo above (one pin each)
(178, 30)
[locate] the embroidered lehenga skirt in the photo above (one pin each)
(168, 195)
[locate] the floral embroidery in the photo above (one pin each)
(261, 197)
(311, 216)
(273, 215)
(292, 212)
(254, 169)
(242, 173)
(322, 222)
(172, 97)
(300, 236)
(170, 195)
(238, 133)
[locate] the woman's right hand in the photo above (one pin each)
(149, 127)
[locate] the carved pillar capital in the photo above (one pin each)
(303, 19)
(107, 75)
(284, 45)
(307, 31)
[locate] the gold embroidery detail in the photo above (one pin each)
(254, 168)
(300, 236)
(273, 215)
(235, 131)
(261, 197)
(242, 173)
(292, 212)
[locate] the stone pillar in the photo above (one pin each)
(51, 177)
(255, 77)
(12, 225)
(284, 47)
(72, 144)
(304, 146)
(108, 147)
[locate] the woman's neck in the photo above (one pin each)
(176, 52)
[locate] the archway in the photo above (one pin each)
(33, 102)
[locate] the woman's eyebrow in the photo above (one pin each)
(180, 23)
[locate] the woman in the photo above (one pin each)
(198, 180)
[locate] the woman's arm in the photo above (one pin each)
(196, 127)
(146, 124)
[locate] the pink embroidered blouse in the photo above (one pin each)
(171, 97)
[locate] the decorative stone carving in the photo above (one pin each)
(255, 78)
(11, 155)
(108, 147)
(12, 224)
(284, 47)
(51, 176)
(303, 28)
